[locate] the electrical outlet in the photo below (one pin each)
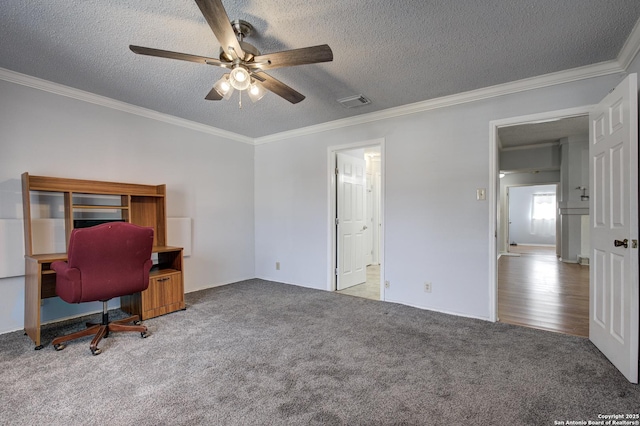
(387, 284)
(427, 287)
(277, 266)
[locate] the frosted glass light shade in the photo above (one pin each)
(256, 91)
(223, 87)
(239, 78)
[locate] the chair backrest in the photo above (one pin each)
(114, 259)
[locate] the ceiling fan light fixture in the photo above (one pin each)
(243, 59)
(239, 78)
(256, 91)
(224, 87)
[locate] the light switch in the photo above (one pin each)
(481, 194)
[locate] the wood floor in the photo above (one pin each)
(536, 290)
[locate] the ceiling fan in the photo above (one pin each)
(245, 62)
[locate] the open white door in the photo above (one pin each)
(613, 291)
(369, 214)
(351, 221)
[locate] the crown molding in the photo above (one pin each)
(538, 82)
(630, 48)
(627, 54)
(81, 95)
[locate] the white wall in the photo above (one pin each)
(434, 160)
(434, 229)
(538, 158)
(518, 179)
(208, 178)
(521, 230)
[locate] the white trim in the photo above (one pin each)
(331, 194)
(542, 117)
(533, 146)
(494, 185)
(81, 95)
(537, 245)
(630, 48)
(219, 284)
(441, 311)
(603, 68)
(492, 198)
(589, 71)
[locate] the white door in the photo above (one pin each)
(351, 221)
(613, 289)
(377, 224)
(368, 232)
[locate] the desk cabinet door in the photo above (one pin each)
(164, 291)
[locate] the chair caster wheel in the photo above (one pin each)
(138, 322)
(59, 346)
(144, 334)
(96, 351)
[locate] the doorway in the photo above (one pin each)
(356, 210)
(535, 285)
(532, 215)
(612, 156)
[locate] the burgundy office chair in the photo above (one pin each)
(104, 261)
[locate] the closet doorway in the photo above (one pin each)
(356, 228)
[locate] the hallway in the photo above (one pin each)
(537, 290)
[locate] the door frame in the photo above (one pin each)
(331, 213)
(494, 186)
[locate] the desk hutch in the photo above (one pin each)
(81, 202)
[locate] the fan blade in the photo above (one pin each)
(288, 58)
(176, 55)
(213, 95)
(217, 18)
(278, 87)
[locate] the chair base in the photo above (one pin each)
(101, 330)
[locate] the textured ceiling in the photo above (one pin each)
(529, 134)
(393, 52)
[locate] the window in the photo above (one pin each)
(544, 207)
(543, 214)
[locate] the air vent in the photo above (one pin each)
(354, 101)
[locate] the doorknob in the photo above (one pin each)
(364, 227)
(624, 243)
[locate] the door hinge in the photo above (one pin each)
(337, 221)
(336, 272)
(337, 171)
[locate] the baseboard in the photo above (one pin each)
(506, 253)
(441, 311)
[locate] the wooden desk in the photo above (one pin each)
(143, 205)
(164, 295)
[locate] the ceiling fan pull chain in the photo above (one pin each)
(239, 99)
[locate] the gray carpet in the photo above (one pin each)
(264, 353)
